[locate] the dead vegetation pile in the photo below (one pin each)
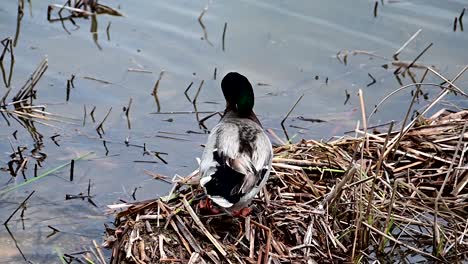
(392, 196)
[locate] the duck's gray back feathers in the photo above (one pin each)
(236, 161)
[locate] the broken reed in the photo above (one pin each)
(79, 9)
(315, 195)
(22, 108)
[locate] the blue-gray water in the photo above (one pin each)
(289, 45)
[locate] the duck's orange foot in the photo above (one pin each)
(206, 206)
(242, 212)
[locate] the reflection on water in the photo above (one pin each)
(325, 50)
(19, 17)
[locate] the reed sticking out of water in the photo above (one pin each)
(224, 35)
(376, 5)
(287, 115)
(23, 110)
(134, 193)
(69, 86)
(105, 147)
(79, 9)
(7, 47)
(19, 17)
(54, 231)
(194, 103)
(108, 31)
(205, 33)
(138, 70)
(16, 243)
(155, 154)
(47, 173)
(347, 95)
(21, 205)
(154, 93)
(343, 55)
(127, 112)
(186, 92)
(27, 91)
(198, 92)
(94, 30)
(201, 122)
(100, 127)
(460, 18)
(419, 56)
(373, 80)
(72, 170)
(97, 80)
(91, 114)
(82, 196)
(84, 115)
(395, 55)
(157, 176)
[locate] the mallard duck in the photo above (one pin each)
(236, 162)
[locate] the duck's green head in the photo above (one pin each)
(238, 93)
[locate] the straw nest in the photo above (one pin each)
(390, 196)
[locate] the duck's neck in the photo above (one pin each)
(232, 113)
(254, 118)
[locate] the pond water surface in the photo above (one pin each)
(285, 48)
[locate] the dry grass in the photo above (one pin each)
(387, 196)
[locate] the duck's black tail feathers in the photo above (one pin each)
(225, 182)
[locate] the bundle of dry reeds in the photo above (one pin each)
(391, 196)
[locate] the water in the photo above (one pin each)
(290, 46)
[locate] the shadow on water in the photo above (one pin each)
(162, 68)
(19, 17)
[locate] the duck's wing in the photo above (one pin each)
(236, 159)
(262, 158)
